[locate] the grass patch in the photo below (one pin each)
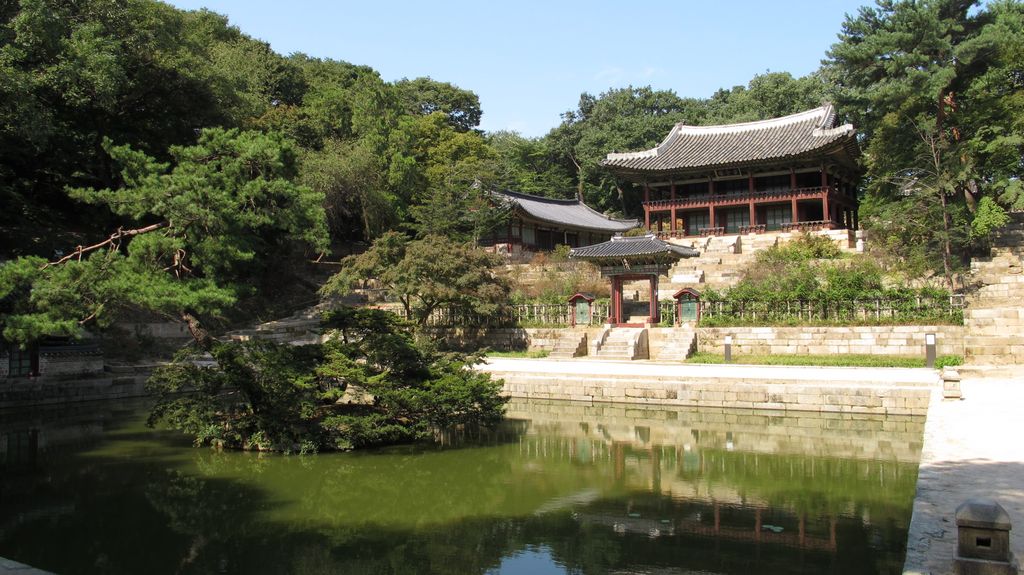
(849, 360)
(537, 354)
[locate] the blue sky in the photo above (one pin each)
(530, 60)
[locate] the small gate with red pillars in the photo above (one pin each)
(627, 259)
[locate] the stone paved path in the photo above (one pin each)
(972, 448)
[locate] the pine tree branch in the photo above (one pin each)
(111, 241)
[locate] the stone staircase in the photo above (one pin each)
(301, 328)
(570, 344)
(994, 319)
(620, 343)
(677, 344)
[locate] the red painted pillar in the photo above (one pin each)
(793, 218)
(672, 188)
(753, 214)
(672, 226)
(654, 300)
(825, 213)
(647, 216)
(647, 193)
(616, 299)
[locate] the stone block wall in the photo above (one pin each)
(873, 340)
(720, 392)
(499, 339)
(70, 363)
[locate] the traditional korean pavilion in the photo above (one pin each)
(539, 223)
(798, 172)
(629, 259)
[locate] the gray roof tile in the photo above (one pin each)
(620, 246)
(707, 146)
(569, 213)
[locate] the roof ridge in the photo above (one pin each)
(567, 201)
(825, 112)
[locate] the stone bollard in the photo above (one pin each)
(983, 540)
(951, 383)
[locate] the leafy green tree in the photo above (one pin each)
(529, 165)
(934, 86)
(424, 96)
(267, 396)
(426, 274)
(189, 238)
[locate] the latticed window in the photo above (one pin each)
(19, 361)
(734, 219)
(775, 217)
(696, 221)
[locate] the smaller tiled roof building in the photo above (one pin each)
(538, 223)
(795, 172)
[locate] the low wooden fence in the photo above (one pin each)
(854, 311)
(880, 310)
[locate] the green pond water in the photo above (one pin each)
(561, 488)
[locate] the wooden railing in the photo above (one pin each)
(755, 229)
(744, 197)
(807, 226)
(861, 310)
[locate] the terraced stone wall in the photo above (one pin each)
(874, 340)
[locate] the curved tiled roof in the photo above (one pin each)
(620, 246)
(568, 213)
(796, 135)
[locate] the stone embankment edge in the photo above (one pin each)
(838, 390)
(9, 567)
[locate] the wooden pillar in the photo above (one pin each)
(824, 177)
(647, 217)
(750, 182)
(792, 179)
(825, 213)
(753, 214)
(647, 193)
(616, 299)
(672, 212)
(711, 216)
(672, 191)
(654, 319)
(793, 218)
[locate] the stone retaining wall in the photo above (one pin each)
(906, 340)
(20, 392)
(731, 394)
(830, 390)
(498, 339)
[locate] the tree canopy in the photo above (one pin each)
(935, 87)
(190, 236)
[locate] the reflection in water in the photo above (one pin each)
(561, 488)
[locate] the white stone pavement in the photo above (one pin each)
(973, 447)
